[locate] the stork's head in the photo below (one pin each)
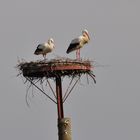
(85, 33)
(51, 41)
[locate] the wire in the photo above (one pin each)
(51, 89)
(42, 91)
(71, 89)
(68, 88)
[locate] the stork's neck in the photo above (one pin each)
(51, 44)
(46, 43)
(85, 38)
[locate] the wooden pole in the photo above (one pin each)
(64, 129)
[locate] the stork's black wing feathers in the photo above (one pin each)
(72, 47)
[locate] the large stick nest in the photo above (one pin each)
(36, 72)
(55, 67)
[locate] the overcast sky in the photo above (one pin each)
(109, 110)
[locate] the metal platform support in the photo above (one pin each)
(56, 69)
(59, 98)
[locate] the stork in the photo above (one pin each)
(77, 43)
(45, 48)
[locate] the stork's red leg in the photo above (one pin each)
(78, 54)
(44, 56)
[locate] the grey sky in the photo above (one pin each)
(108, 110)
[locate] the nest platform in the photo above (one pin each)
(55, 67)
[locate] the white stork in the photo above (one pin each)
(45, 48)
(78, 43)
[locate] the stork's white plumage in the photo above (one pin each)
(45, 48)
(78, 43)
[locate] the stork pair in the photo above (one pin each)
(75, 45)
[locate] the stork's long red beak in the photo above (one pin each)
(87, 35)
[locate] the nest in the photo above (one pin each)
(55, 68)
(41, 71)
